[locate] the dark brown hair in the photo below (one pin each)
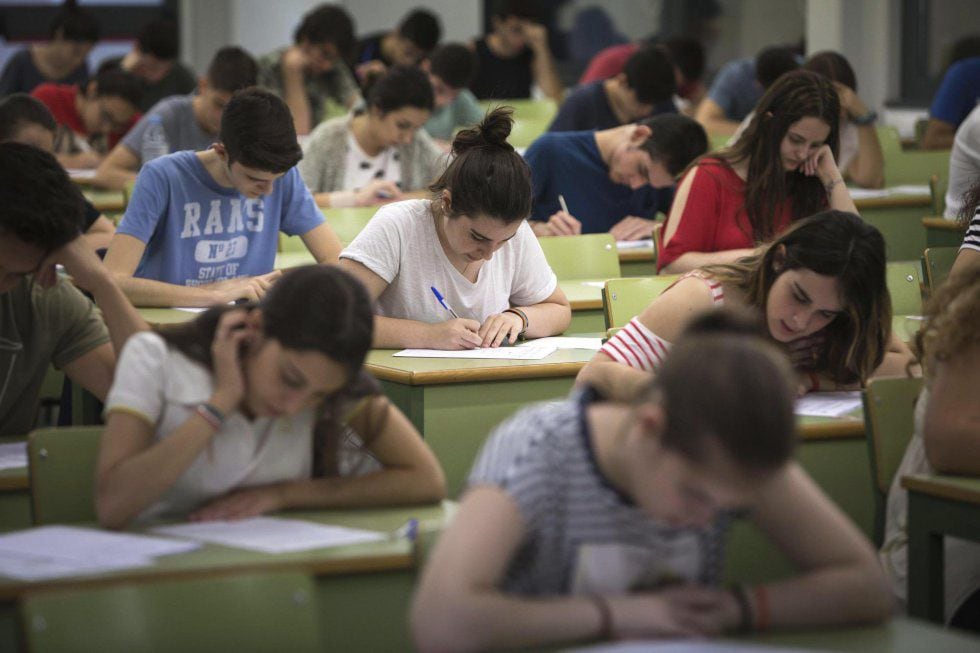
(834, 244)
(311, 308)
(750, 385)
(257, 131)
(794, 96)
(486, 176)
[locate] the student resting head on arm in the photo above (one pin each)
(783, 168)
(472, 243)
(946, 439)
(450, 70)
(587, 519)
(248, 410)
(820, 288)
(26, 120)
(374, 155)
(202, 228)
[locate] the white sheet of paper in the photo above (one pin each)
(565, 342)
(496, 353)
(13, 455)
(81, 173)
(909, 189)
(271, 534)
(646, 243)
(191, 309)
(595, 284)
(828, 404)
(53, 551)
(685, 646)
(867, 193)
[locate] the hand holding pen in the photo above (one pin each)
(563, 223)
(457, 333)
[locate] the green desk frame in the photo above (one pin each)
(939, 506)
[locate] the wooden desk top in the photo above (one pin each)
(212, 559)
(942, 224)
(893, 202)
(583, 294)
(955, 488)
(106, 200)
(383, 364)
(632, 255)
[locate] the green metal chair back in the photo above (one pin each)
(61, 463)
(889, 405)
(242, 613)
(531, 118)
(904, 279)
(937, 262)
(346, 223)
(588, 256)
(624, 299)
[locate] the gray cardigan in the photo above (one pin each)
(325, 152)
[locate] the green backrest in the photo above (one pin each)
(588, 256)
(242, 613)
(61, 463)
(531, 118)
(938, 261)
(904, 279)
(911, 166)
(346, 223)
(889, 405)
(624, 299)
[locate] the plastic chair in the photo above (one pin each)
(61, 463)
(531, 118)
(624, 299)
(889, 406)
(346, 223)
(941, 232)
(242, 613)
(937, 262)
(587, 256)
(904, 279)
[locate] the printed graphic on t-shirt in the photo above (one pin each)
(616, 568)
(219, 258)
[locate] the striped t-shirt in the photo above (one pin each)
(972, 238)
(583, 536)
(639, 347)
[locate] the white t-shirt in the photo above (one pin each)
(400, 245)
(360, 169)
(964, 163)
(848, 141)
(165, 387)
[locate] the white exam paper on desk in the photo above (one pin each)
(532, 353)
(828, 404)
(646, 243)
(686, 646)
(13, 455)
(271, 534)
(56, 551)
(565, 342)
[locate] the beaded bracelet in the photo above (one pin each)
(521, 314)
(211, 415)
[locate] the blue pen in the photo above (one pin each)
(442, 300)
(409, 530)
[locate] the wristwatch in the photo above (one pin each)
(866, 119)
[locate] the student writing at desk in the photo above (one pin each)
(820, 288)
(203, 227)
(587, 519)
(946, 438)
(471, 242)
(783, 168)
(45, 320)
(251, 410)
(26, 120)
(614, 180)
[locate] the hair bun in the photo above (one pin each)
(492, 131)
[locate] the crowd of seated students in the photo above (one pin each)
(680, 423)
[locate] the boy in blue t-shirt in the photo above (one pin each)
(613, 180)
(203, 227)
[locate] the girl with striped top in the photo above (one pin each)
(587, 519)
(820, 288)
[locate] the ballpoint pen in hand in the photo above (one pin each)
(442, 300)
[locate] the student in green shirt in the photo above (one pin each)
(44, 319)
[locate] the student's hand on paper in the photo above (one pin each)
(79, 261)
(716, 610)
(249, 288)
(633, 228)
(241, 504)
(455, 334)
(648, 615)
(379, 191)
(500, 326)
(822, 164)
(805, 352)
(230, 336)
(561, 224)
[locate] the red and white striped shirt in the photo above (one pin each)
(639, 347)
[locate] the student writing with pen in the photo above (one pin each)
(472, 243)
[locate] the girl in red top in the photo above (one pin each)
(782, 169)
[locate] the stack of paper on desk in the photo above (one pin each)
(56, 551)
(531, 353)
(13, 456)
(828, 404)
(271, 534)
